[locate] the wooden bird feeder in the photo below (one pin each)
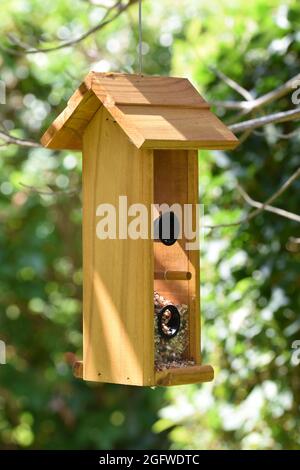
(140, 138)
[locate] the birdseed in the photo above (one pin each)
(170, 352)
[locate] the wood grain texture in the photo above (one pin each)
(154, 112)
(184, 375)
(177, 127)
(118, 328)
(143, 90)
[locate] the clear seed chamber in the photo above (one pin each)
(171, 334)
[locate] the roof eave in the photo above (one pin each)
(190, 145)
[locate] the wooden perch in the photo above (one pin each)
(185, 375)
(173, 276)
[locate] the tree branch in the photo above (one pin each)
(10, 140)
(33, 189)
(263, 206)
(267, 207)
(267, 98)
(251, 105)
(233, 84)
(251, 124)
(280, 135)
(120, 9)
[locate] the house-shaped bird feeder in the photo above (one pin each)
(139, 137)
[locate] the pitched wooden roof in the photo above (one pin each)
(154, 112)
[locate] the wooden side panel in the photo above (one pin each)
(176, 182)
(118, 274)
(194, 263)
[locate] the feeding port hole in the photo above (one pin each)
(168, 321)
(166, 228)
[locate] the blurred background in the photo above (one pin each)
(250, 272)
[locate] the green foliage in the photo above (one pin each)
(250, 281)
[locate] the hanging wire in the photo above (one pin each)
(140, 39)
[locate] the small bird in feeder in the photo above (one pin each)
(139, 137)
